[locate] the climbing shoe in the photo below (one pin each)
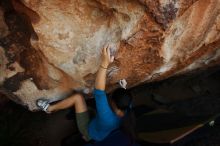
(43, 104)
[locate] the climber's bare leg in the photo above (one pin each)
(77, 101)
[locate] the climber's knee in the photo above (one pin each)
(80, 104)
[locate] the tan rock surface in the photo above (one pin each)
(53, 46)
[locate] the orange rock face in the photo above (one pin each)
(49, 48)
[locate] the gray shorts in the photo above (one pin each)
(82, 120)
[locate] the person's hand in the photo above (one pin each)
(123, 83)
(106, 57)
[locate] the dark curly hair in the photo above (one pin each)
(123, 101)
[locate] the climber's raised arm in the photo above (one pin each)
(106, 59)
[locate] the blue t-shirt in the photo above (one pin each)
(105, 121)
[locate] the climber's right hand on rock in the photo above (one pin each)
(106, 57)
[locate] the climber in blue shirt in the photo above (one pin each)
(112, 113)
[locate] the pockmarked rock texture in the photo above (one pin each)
(50, 48)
